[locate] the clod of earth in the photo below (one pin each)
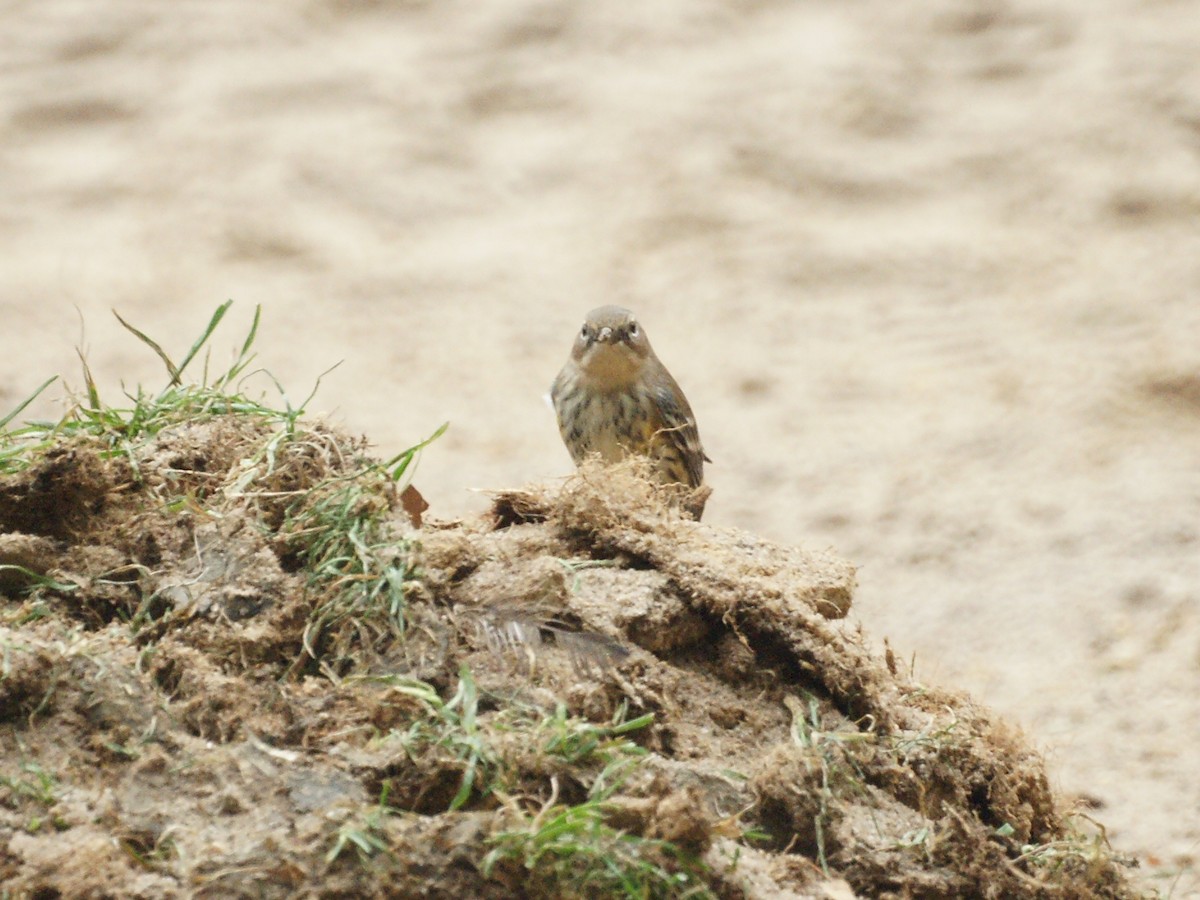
(208, 689)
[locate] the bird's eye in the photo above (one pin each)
(633, 329)
(583, 332)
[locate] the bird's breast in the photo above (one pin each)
(611, 367)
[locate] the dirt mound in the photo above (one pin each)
(232, 667)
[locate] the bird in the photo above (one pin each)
(615, 398)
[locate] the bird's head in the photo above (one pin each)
(611, 346)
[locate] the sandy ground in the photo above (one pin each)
(929, 273)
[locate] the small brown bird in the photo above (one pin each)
(615, 398)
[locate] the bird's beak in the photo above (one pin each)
(605, 335)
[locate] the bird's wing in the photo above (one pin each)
(679, 427)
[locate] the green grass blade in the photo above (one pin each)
(633, 724)
(39, 580)
(470, 700)
(244, 357)
(203, 339)
(253, 331)
(246, 345)
(465, 788)
(153, 345)
(16, 412)
(90, 383)
(399, 463)
(316, 387)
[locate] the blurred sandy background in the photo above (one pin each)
(929, 273)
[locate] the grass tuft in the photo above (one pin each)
(332, 513)
(452, 728)
(575, 850)
(829, 753)
(342, 531)
(365, 833)
(123, 428)
(36, 787)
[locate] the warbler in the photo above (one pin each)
(615, 398)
